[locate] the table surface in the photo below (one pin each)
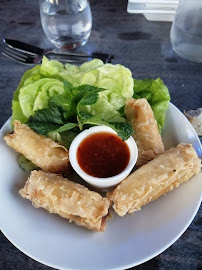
(142, 46)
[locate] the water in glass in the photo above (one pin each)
(186, 30)
(66, 23)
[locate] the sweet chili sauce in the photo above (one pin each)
(103, 154)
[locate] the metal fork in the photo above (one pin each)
(22, 54)
(29, 58)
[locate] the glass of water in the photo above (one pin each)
(66, 23)
(186, 30)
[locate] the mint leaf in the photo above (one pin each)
(49, 120)
(43, 128)
(89, 99)
(65, 127)
(89, 88)
(68, 88)
(83, 116)
(122, 111)
(73, 98)
(68, 136)
(124, 130)
(59, 101)
(48, 115)
(65, 113)
(72, 110)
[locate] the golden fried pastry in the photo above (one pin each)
(42, 151)
(68, 199)
(146, 133)
(157, 177)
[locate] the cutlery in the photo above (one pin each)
(27, 58)
(29, 54)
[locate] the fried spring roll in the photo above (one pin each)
(67, 199)
(146, 133)
(157, 177)
(42, 151)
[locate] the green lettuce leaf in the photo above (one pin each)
(41, 83)
(60, 100)
(57, 117)
(29, 77)
(157, 94)
(26, 164)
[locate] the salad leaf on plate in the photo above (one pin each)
(60, 100)
(123, 129)
(29, 76)
(26, 164)
(49, 120)
(157, 94)
(61, 111)
(42, 82)
(51, 96)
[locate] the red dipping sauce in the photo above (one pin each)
(103, 154)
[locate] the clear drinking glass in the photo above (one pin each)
(66, 23)
(186, 30)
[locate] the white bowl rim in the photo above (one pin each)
(97, 181)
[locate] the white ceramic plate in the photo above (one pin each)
(127, 241)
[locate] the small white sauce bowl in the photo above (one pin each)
(101, 183)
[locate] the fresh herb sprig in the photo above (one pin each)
(65, 112)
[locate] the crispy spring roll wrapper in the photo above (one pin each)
(42, 151)
(70, 200)
(157, 177)
(146, 133)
